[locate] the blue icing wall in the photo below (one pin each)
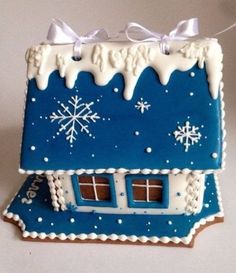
(112, 141)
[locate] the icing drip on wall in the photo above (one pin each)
(104, 60)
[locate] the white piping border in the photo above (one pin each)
(121, 170)
(114, 237)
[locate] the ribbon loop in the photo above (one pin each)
(60, 33)
(183, 31)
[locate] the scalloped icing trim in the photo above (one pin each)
(114, 237)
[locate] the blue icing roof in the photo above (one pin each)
(64, 130)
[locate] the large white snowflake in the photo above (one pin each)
(142, 105)
(73, 115)
(187, 135)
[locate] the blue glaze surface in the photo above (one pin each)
(113, 142)
(147, 225)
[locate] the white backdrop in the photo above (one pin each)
(24, 23)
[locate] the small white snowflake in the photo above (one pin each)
(142, 105)
(73, 115)
(188, 135)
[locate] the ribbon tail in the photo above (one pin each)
(185, 29)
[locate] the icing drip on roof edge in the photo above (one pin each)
(104, 60)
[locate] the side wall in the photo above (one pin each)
(185, 195)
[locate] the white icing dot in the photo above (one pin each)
(175, 230)
(115, 89)
(93, 155)
(40, 219)
(191, 162)
(191, 94)
(32, 123)
(41, 117)
(47, 140)
(166, 90)
(149, 150)
(169, 134)
(169, 222)
(214, 155)
(103, 119)
(136, 133)
(29, 209)
(95, 227)
(109, 119)
(188, 117)
(58, 133)
(32, 148)
(53, 137)
(167, 161)
(210, 104)
(148, 229)
(45, 159)
(202, 126)
(98, 100)
(119, 221)
(72, 220)
(206, 205)
(100, 218)
(71, 146)
(116, 146)
(192, 74)
(33, 99)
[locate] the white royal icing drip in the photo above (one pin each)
(104, 60)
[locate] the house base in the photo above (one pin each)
(32, 212)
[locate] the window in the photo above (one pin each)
(94, 190)
(147, 191)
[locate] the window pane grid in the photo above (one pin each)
(94, 185)
(147, 187)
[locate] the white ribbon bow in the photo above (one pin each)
(60, 33)
(183, 31)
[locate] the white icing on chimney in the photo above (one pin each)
(104, 60)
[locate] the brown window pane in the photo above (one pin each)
(155, 194)
(139, 181)
(139, 193)
(147, 190)
(155, 182)
(101, 180)
(87, 192)
(85, 179)
(103, 193)
(94, 188)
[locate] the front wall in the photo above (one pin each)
(178, 196)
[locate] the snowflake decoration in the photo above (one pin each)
(74, 114)
(188, 135)
(142, 105)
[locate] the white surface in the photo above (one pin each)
(25, 23)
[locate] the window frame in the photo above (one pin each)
(145, 204)
(94, 203)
